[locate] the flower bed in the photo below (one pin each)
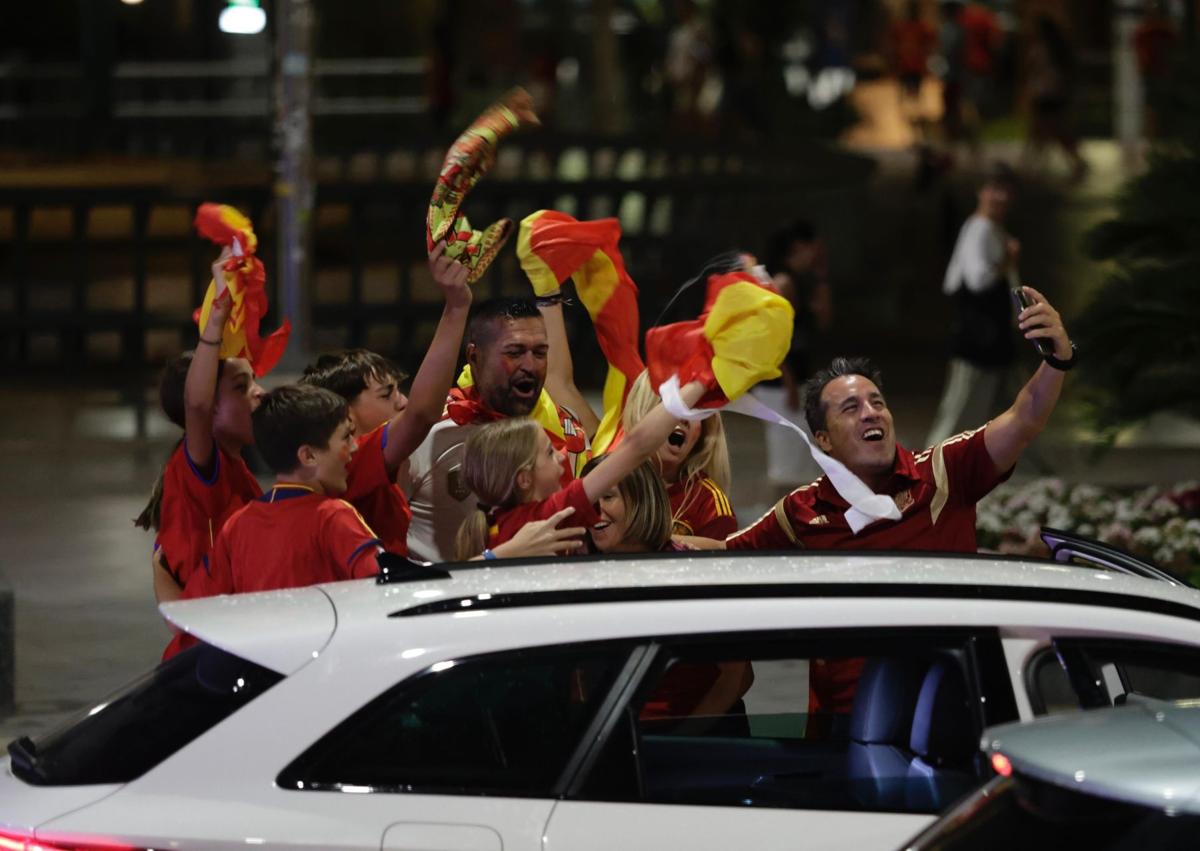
(1160, 524)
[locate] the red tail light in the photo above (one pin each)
(1001, 765)
(10, 841)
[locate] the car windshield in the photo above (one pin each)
(1019, 812)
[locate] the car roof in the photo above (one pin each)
(1139, 753)
(686, 575)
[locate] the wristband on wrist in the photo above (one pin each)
(488, 555)
(1060, 364)
(216, 342)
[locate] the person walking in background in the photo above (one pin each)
(977, 282)
(911, 42)
(1051, 76)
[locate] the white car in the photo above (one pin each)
(539, 705)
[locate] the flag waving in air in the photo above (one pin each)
(245, 278)
(467, 161)
(552, 247)
(739, 339)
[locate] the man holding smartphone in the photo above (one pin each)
(982, 270)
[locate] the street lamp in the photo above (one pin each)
(242, 17)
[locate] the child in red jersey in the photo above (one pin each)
(694, 463)
(205, 479)
(390, 426)
(515, 471)
(299, 533)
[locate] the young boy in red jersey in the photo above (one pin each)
(205, 479)
(390, 426)
(299, 533)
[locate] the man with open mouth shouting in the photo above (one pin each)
(506, 353)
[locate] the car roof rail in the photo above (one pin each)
(1066, 545)
(394, 569)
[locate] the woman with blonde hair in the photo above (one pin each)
(694, 465)
(634, 514)
(515, 472)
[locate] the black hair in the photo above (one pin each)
(814, 410)
(346, 372)
(481, 329)
(172, 384)
(1000, 173)
(171, 388)
(292, 416)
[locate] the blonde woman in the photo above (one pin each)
(694, 465)
(515, 472)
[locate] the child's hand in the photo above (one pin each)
(451, 276)
(544, 538)
(218, 268)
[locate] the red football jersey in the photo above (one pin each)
(195, 506)
(700, 507)
(509, 522)
(288, 538)
(376, 496)
(936, 492)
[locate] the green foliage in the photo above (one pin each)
(1140, 336)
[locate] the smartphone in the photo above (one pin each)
(1042, 344)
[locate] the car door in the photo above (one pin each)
(468, 755)
(797, 739)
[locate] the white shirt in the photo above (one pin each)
(439, 498)
(977, 258)
(437, 494)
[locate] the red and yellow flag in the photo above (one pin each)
(740, 339)
(245, 278)
(552, 247)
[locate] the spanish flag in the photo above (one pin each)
(245, 278)
(740, 339)
(552, 247)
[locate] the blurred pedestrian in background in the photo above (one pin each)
(1051, 76)
(911, 42)
(977, 282)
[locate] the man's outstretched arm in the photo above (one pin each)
(1007, 436)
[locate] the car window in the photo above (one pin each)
(1106, 672)
(840, 721)
(1023, 813)
(144, 723)
(502, 724)
(1049, 687)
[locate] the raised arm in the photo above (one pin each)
(638, 444)
(560, 368)
(427, 396)
(1007, 436)
(200, 387)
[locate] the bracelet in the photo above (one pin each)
(488, 555)
(210, 342)
(1062, 365)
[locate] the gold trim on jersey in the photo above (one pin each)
(785, 524)
(361, 519)
(720, 501)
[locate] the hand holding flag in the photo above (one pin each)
(239, 282)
